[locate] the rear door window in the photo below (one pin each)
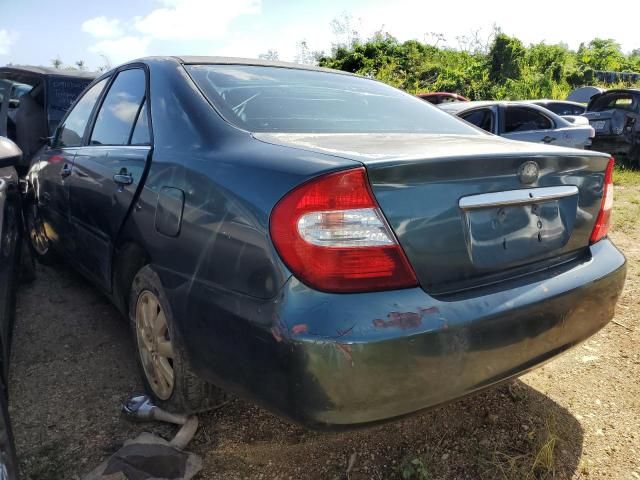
(118, 113)
(72, 132)
(140, 134)
(482, 118)
(523, 119)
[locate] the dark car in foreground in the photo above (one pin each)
(615, 116)
(335, 249)
(10, 249)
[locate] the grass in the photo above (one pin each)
(414, 469)
(626, 202)
(538, 461)
(626, 177)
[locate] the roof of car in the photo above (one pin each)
(202, 60)
(460, 106)
(46, 71)
(620, 90)
(550, 100)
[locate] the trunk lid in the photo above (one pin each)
(473, 210)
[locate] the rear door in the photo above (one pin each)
(53, 167)
(528, 125)
(107, 172)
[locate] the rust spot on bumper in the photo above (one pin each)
(404, 320)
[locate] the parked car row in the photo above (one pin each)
(525, 121)
(610, 122)
(335, 249)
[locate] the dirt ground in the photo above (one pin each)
(578, 417)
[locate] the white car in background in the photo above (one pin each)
(523, 121)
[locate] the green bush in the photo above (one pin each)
(503, 69)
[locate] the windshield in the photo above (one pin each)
(275, 99)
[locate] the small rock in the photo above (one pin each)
(444, 457)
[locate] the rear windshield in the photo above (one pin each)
(626, 101)
(274, 99)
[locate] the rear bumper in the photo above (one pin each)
(340, 360)
(613, 144)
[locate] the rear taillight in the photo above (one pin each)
(332, 235)
(601, 228)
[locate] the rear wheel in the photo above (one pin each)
(165, 369)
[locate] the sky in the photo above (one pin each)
(99, 32)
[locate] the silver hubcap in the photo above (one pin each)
(154, 345)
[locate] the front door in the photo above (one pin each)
(107, 172)
(528, 125)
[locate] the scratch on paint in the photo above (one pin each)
(342, 333)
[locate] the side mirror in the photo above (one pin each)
(10, 154)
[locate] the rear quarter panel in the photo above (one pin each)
(230, 183)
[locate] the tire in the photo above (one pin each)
(159, 346)
(38, 241)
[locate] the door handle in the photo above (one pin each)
(123, 178)
(66, 170)
(549, 139)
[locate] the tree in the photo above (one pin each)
(106, 65)
(601, 54)
(56, 62)
(506, 57)
(345, 31)
(81, 65)
(305, 56)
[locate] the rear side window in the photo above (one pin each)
(482, 118)
(273, 99)
(72, 131)
(120, 108)
(522, 119)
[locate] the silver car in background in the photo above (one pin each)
(523, 121)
